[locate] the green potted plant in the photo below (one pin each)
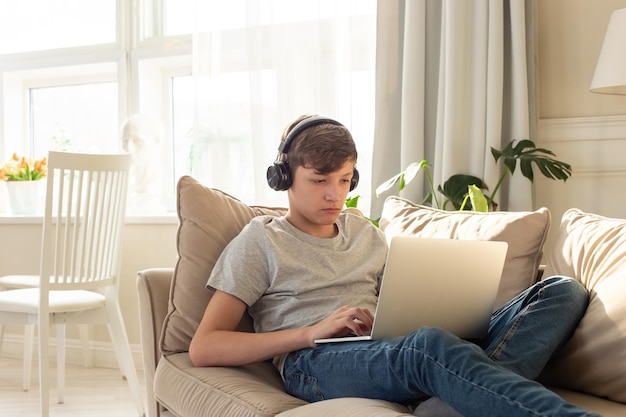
(468, 192)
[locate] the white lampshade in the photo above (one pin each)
(610, 75)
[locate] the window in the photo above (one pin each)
(213, 149)
(220, 79)
(79, 118)
(74, 108)
(38, 25)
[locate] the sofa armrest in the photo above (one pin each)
(153, 289)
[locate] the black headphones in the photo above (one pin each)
(279, 174)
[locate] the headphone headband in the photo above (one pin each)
(300, 127)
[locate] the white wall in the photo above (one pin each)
(585, 129)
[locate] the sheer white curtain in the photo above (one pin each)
(452, 81)
(259, 64)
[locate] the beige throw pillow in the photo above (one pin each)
(208, 220)
(592, 249)
(525, 233)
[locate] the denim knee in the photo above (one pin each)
(431, 333)
(432, 340)
(568, 287)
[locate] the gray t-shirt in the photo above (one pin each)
(290, 279)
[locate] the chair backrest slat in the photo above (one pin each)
(84, 218)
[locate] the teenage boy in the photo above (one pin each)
(315, 273)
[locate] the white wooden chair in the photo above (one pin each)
(80, 263)
(12, 282)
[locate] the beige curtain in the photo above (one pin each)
(452, 81)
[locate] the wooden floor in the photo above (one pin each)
(93, 392)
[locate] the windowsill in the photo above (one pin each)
(165, 218)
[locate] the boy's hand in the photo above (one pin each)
(343, 321)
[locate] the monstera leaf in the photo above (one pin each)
(528, 155)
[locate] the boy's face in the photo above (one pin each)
(316, 200)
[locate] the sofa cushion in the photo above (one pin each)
(598, 405)
(208, 220)
(525, 232)
(248, 391)
(349, 407)
(592, 249)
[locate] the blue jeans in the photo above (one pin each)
(494, 373)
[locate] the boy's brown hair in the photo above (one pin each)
(324, 147)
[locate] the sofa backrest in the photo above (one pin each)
(592, 249)
(208, 220)
(524, 231)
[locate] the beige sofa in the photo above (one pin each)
(590, 370)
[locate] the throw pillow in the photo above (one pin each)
(208, 220)
(592, 249)
(525, 232)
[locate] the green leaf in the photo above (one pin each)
(352, 202)
(527, 169)
(402, 182)
(478, 199)
(413, 168)
(403, 177)
(529, 155)
(388, 184)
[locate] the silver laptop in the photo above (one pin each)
(446, 283)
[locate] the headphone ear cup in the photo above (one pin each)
(355, 179)
(278, 176)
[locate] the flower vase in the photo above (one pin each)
(23, 196)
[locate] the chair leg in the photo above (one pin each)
(61, 363)
(44, 367)
(84, 337)
(27, 365)
(123, 353)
